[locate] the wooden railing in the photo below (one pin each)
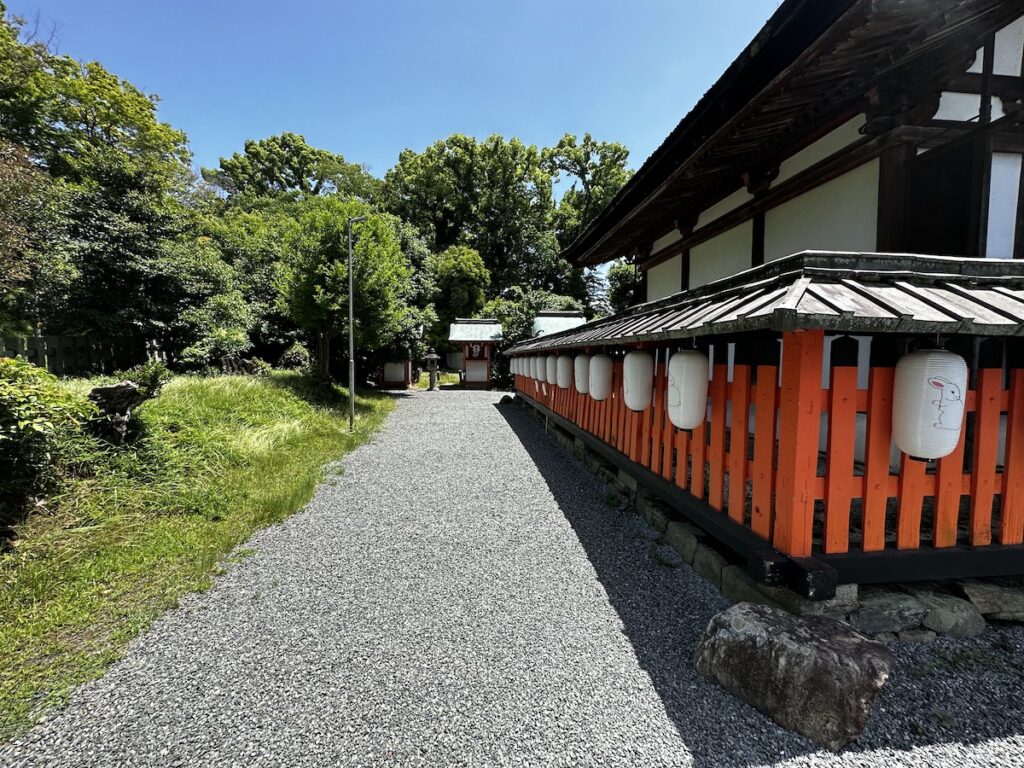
(807, 493)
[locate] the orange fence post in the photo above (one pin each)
(738, 442)
(716, 448)
(842, 433)
(682, 439)
(655, 437)
(949, 480)
(698, 448)
(1011, 524)
(763, 475)
(986, 446)
(799, 407)
(876, 459)
(908, 517)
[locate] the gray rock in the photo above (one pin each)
(918, 635)
(886, 637)
(948, 614)
(683, 538)
(627, 480)
(738, 587)
(815, 676)
(845, 601)
(991, 597)
(709, 564)
(887, 611)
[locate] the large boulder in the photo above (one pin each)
(812, 675)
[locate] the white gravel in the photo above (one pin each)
(462, 595)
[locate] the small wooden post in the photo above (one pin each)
(799, 408)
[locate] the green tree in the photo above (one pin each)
(493, 196)
(123, 176)
(287, 163)
(460, 280)
(34, 252)
(435, 190)
(313, 280)
(624, 284)
(518, 308)
(596, 171)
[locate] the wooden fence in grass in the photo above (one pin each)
(793, 477)
(79, 355)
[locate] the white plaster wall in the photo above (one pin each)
(664, 242)
(664, 279)
(840, 215)
(1009, 49)
(722, 207)
(958, 106)
(843, 136)
(1002, 205)
(722, 255)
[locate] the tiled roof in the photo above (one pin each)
(839, 292)
(466, 329)
(555, 322)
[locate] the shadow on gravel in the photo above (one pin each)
(949, 692)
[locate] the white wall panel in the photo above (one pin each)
(1002, 205)
(722, 255)
(843, 136)
(664, 279)
(840, 215)
(722, 207)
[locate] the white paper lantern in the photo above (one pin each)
(531, 367)
(581, 373)
(513, 365)
(564, 372)
(687, 391)
(551, 369)
(538, 364)
(928, 403)
(637, 380)
(600, 377)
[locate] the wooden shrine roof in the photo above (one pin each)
(839, 292)
(814, 64)
(466, 329)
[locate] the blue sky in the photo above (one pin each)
(369, 79)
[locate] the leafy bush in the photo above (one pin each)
(295, 358)
(259, 367)
(36, 416)
(150, 376)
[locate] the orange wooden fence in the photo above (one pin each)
(758, 457)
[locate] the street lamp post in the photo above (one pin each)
(351, 332)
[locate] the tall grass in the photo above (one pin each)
(219, 458)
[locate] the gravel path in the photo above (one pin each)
(462, 595)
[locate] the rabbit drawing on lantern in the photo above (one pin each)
(950, 399)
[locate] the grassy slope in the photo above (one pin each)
(221, 457)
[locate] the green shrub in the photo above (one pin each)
(150, 377)
(295, 358)
(37, 417)
(259, 367)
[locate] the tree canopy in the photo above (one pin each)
(286, 163)
(105, 229)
